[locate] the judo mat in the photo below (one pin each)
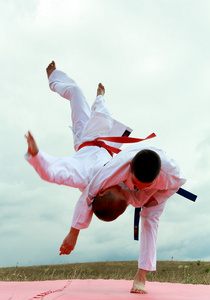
(99, 289)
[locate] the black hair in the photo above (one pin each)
(108, 207)
(146, 165)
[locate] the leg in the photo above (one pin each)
(99, 103)
(68, 89)
(139, 282)
(80, 113)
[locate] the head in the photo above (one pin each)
(109, 204)
(145, 167)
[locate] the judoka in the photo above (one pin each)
(152, 199)
(107, 172)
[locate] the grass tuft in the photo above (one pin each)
(167, 271)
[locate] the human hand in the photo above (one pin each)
(69, 242)
(32, 147)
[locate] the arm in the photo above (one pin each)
(147, 259)
(32, 146)
(81, 219)
(83, 212)
(149, 228)
(163, 195)
(62, 171)
(150, 213)
(56, 170)
(69, 242)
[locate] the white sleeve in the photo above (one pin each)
(149, 228)
(56, 170)
(172, 178)
(82, 213)
(162, 195)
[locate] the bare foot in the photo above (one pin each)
(138, 287)
(100, 90)
(139, 282)
(50, 68)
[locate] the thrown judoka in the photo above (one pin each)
(140, 175)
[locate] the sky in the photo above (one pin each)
(153, 58)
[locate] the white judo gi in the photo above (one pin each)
(87, 124)
(117, 171)
(92, 168)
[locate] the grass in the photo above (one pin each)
(167, 271)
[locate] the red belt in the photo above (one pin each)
(118, 139)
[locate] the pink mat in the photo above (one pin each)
(99, 290)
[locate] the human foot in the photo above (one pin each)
(100, 90)
(139, 282)
(50, 68)
(138, 287)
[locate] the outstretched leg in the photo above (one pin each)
(67, 88)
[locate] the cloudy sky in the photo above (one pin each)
(153, 58)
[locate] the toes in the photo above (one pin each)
(138, 291)
(51, 65)
(100, 85)
(100, 89)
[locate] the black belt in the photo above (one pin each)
(181, 192)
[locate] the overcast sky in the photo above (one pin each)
(153, 58)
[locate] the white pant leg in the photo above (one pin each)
(80, 111)
(100, 106)
(149, 228)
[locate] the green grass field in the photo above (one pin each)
(196, 272)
